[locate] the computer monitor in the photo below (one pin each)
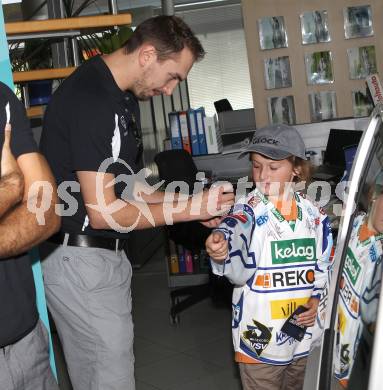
(339, 139)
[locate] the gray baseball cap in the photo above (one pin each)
(276, 142)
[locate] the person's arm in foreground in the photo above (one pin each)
(12, 181)
(20, 229)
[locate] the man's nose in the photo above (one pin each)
(169, 87)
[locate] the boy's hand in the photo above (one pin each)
(308, 317)
(217, 247)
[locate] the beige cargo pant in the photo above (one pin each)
(262, 376)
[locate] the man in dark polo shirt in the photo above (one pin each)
(91, 126)
(24, 359)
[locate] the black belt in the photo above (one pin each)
(84, 240)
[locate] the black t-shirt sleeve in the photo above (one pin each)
(22, 140)
(91, 133)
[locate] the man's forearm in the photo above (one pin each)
(11, 191)
(20, 231)
(141, 215)
(105, 211)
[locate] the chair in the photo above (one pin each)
(178, 165)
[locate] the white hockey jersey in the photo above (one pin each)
(359, 292)
(275, 267)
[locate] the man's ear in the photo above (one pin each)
(147, 55)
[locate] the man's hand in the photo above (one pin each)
(217, 247)
(11, 176)
(217, 201)
(212, 223)
(308, 317)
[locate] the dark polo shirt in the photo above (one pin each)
(18, 313)
(89, 121)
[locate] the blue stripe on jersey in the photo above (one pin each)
(326, 229)
(251, 280)
(248, 254)
(302, 354)
(254, 355)
(308, 264)
(269, 290)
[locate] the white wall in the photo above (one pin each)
(315, 136)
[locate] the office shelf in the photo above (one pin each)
(42, 74)
(35, 111)
(57, 27)
(79, 23)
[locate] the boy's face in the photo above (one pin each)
(271, 176)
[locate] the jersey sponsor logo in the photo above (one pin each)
(256, 337)
(276, 228)
(278, 215)
(344, 358)
(283, 338)
(299, 277)
(352, 266)
(238, 208)
(342, 322)
(263, 280)
(373, 254)
(292, 251)
(283, 308)
(242, 217)
(262, 197)
(261, 220)
(323, 304)
(351, 300)
(254, 201)
(230, 221)
(299, 213)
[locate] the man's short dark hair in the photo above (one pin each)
(168, 34)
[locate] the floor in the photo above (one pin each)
(196, 354)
